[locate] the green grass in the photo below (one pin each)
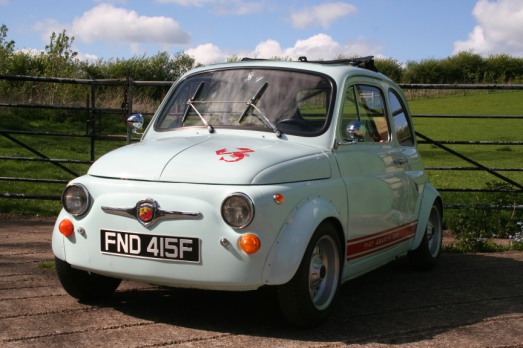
(47, 265)
(475, 227)
(56, 147)
(461, 103)
(500, 156)
(469, 103)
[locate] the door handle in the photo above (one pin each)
(399, 161)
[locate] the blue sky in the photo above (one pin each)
(214, 30)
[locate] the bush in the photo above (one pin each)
(476, 225)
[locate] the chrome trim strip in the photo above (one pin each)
(127, 212)
(160, 213)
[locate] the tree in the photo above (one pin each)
(60, 56)
(6, 50)
(390, 67)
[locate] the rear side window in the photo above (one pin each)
(364, 117)
(401, 122)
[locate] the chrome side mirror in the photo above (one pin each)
(354, 132)
(135, 123)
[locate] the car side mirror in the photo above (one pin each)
(354, 132)
(135, 123)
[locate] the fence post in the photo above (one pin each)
(92, 121)
(128, 104)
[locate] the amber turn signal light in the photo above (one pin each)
(249, 243)
(278, 198)
(66, 227)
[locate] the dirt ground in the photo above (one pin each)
(469, 300)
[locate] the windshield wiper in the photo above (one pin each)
(251, 104)
(190, 106)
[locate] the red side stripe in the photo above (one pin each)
(375, 242)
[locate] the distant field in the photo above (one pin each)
(500, 156)
(472, 103)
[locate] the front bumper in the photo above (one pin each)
(221, 265)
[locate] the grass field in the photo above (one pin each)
(469, 103)
(475, 226)
(499, 156)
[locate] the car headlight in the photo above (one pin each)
(75, 199)
(237, 210)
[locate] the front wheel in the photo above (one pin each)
(84, 285)
(426, 256)
(308, 298)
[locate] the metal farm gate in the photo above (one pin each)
(94, 114)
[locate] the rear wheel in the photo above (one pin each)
(84, 285)
(426, 256)
(308, 298)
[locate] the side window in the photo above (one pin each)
(313, 106)
(364, 118)
(401, 123)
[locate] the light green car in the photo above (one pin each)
(294, 175)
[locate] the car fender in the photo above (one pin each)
(288, 249)
(430, 195)
(57, 240)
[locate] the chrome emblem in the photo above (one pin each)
(146, 211)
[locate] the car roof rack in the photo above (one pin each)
(360, 62)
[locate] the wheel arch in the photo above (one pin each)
(430, 197)
(294, 237)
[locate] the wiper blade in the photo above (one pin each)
(211, 128)
(190, 105)
(251, 104)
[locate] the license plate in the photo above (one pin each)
(150, 246)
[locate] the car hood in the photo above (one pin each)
(215, 159)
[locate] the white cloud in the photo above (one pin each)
(86, 57)
(317, 47)
(48, 26)
(268, 49)
(499, 28)
(118, 25)
(324, 15)
(207, 54)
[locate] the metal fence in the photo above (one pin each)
(516, 187)
(93, 114)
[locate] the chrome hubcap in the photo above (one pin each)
(324, 272)
(434, 232)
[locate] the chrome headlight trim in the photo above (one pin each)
(237, 210)
(76, 199)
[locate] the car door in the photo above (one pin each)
(372, 170)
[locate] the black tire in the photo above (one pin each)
(426, 256)
(309, 297)
(84, 285)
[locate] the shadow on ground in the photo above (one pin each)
(392, 305)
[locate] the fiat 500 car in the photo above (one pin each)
(294, 175)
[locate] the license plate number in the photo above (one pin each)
(150, 246)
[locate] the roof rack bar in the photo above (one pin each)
(360, 62)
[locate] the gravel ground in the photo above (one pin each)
(469, 300)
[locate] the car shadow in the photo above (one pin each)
(391, 305)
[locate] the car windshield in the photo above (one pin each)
(280, 101)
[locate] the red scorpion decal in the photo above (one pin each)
(233, 156)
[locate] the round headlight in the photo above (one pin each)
(75, 199)
(238, 210)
